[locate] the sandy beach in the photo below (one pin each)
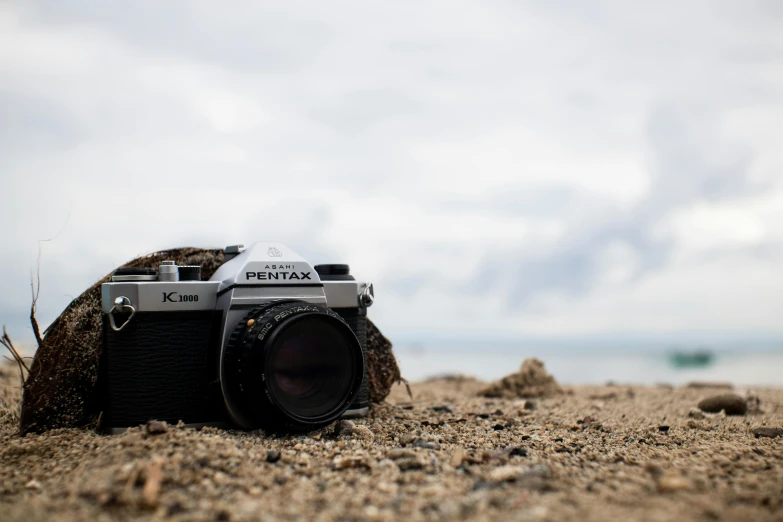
(591, 453)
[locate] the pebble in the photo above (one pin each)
(425, 444)
(363, 433)
(442, 408)
(409, 464)
(768, 432)
(33, 484)
(518, 452)
(401, 453)
(344, 428)
(154, 427)
(272, 456)
(671, 482)
(530, 477)
(696, 413)
(731, 403)
(506, 473)
(341, 462)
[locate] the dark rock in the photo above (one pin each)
(154, 427)
(442, 408)
(518, 452)
(731, 403)
(175, 508)
(531, 405)
(768, 432)
(498, 427)
(663, 428)
(272, 456)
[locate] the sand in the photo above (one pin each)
(590, 453)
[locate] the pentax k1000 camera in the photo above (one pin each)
(268, 342)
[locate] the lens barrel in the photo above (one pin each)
(290, 365)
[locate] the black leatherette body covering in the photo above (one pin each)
(161, 366)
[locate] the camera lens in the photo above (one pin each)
(310, 367)
(290, 366)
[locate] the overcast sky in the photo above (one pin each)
(503, 168)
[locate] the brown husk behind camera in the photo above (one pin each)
(60, 391)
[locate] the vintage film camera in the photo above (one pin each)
(268, 342)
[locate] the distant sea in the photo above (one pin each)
(589, 365)
(572, 364)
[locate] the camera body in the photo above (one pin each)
(269, 341)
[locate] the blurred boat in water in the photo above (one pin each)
(695, 359)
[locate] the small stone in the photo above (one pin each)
(663, 428)
(401, 453)
(442, 408)
(505, 473)
(695, 413)
(33, 484)
(250, 323)
(363, 432)
(531, 405)
(697, 425)
(654, 469)
(408, 438)
(768, 432)
(731, 403)
(154, 427)
(409, 464)
(425, 444)
(754, 404)
(671, 482)
(344, 428)
(535, 478)
(272, 456)
(518, 452)
(350, 462)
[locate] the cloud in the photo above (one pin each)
(495, 168)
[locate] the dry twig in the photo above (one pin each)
(6, 341)
(35, 288)
(403, 380)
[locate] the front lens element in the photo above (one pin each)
(311, 366)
